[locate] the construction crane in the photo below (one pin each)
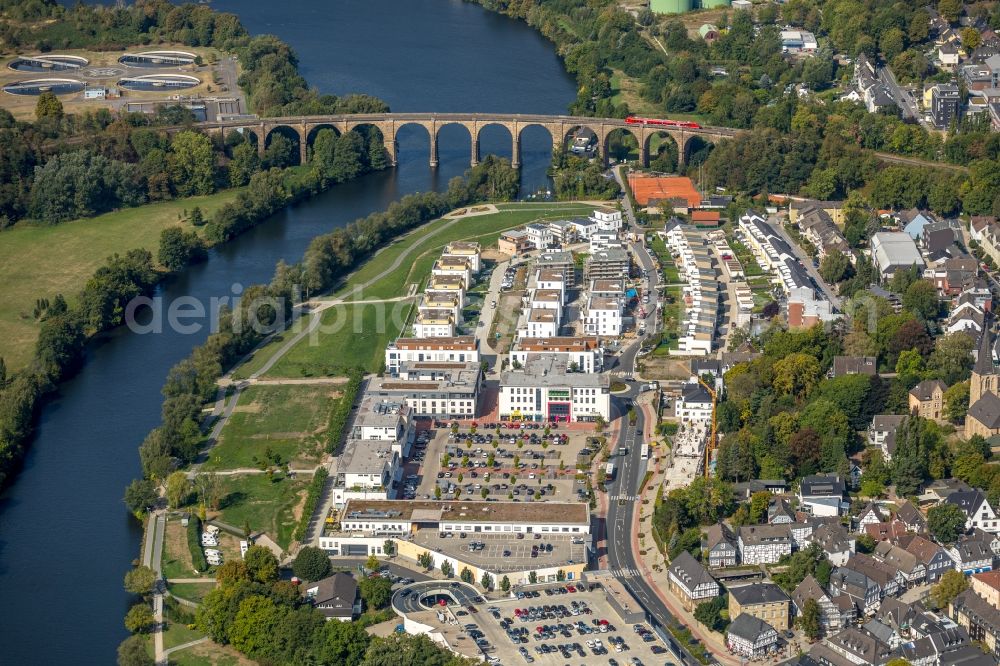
(710, 445)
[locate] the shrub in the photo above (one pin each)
(194, 544)
(313, 497)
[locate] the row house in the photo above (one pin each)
(886, 531)
(979, 618)
(870, 515)
(890, 580)
(906, 563)
(829, 614)
(720, 544)
(864, 592)
(818, 227)
(910, 516)
(934, 558)
(971, 556)
(763, 544)
(836, 543)
(859, 647)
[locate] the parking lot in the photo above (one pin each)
(529, 464)
(505, 552)
(550, 628)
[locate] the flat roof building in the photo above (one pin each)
(894, 250)
(461, 349)
(545, 390)
(436, 389)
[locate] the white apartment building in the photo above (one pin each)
(545, 390)
(694, 404)
(452, 266)
(603, 316)
(464, 349)
(607, 219)
(434, 324)
(454, 284)
(605, 240)
(384, 421)
(467, 250)
(365, 470)
(546, 299)
(605, 288)
(585, 352)
(440, 301)
(541, 323)
(435, 389)
(549, 280)
(539, 235)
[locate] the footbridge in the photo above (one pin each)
(560, 129)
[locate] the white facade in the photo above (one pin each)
(603, 240)
(434, 324)
(443, 350)
(542, 323)
(603, 316)
(544, 390)
(607, 219)
(539, 235)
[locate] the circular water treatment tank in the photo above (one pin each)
(38, 86)
(158, 82)
(161, 59)
(47, 63)
(670, 6)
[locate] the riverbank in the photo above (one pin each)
(44, 260)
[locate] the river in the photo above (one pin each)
(65, 537)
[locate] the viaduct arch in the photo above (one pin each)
(389, 124)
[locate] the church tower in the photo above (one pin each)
(984, 374)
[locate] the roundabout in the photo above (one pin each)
(433, 595)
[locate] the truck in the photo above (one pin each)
(609, 472)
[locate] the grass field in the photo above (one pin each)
(423, 246)
(178, 634)
(42, 261)
(357, 334)
(287, 420)
(271, 506)
(192, 592)
(349, 336)
(208, 654)
(265, 353)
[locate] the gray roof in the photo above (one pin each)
(925, 389)
(910, 515)
(986, 410)
(551, 370)
(750, 628)
(334, 595)
(854, 365)
(887, 422)
(690, 571)
(822, 485)
(757, 593)
(808, 589)
(968, 501)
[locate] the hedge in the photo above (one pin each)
(342, 411)
(194, 544)
(312, 501)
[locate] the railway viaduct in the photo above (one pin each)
(389, 124)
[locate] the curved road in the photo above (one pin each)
(407, 599)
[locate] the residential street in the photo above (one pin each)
(806, 261)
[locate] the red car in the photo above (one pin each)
(571, 588)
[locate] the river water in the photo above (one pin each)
(65, 537)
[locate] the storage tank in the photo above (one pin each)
(670, 6)
(712, 4)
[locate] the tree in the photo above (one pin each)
(811, 619)
(178, 489)
(140, 580)
(312, 564)
(178, 248)
(132, 652)
(835, 267)
(950, 10)
(232, 571)
(921, 298)
(139, 619)
(951, 360)
(425, 560)
(191, 164)
(376, 592)
(244, 165)
(956, 402)
(466, 575)
(796, 374)
(708, 613)
(372, 563)
(261, 563)
(971, 39)
(946, 522)
(532, 577)
(447, 570)
(505, 584)
(951, 584)
(140, 495)
(48, 106)
(486, 581)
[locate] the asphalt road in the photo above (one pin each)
(621, 559)
(626, 360)
(806, 261)
(902, 96)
